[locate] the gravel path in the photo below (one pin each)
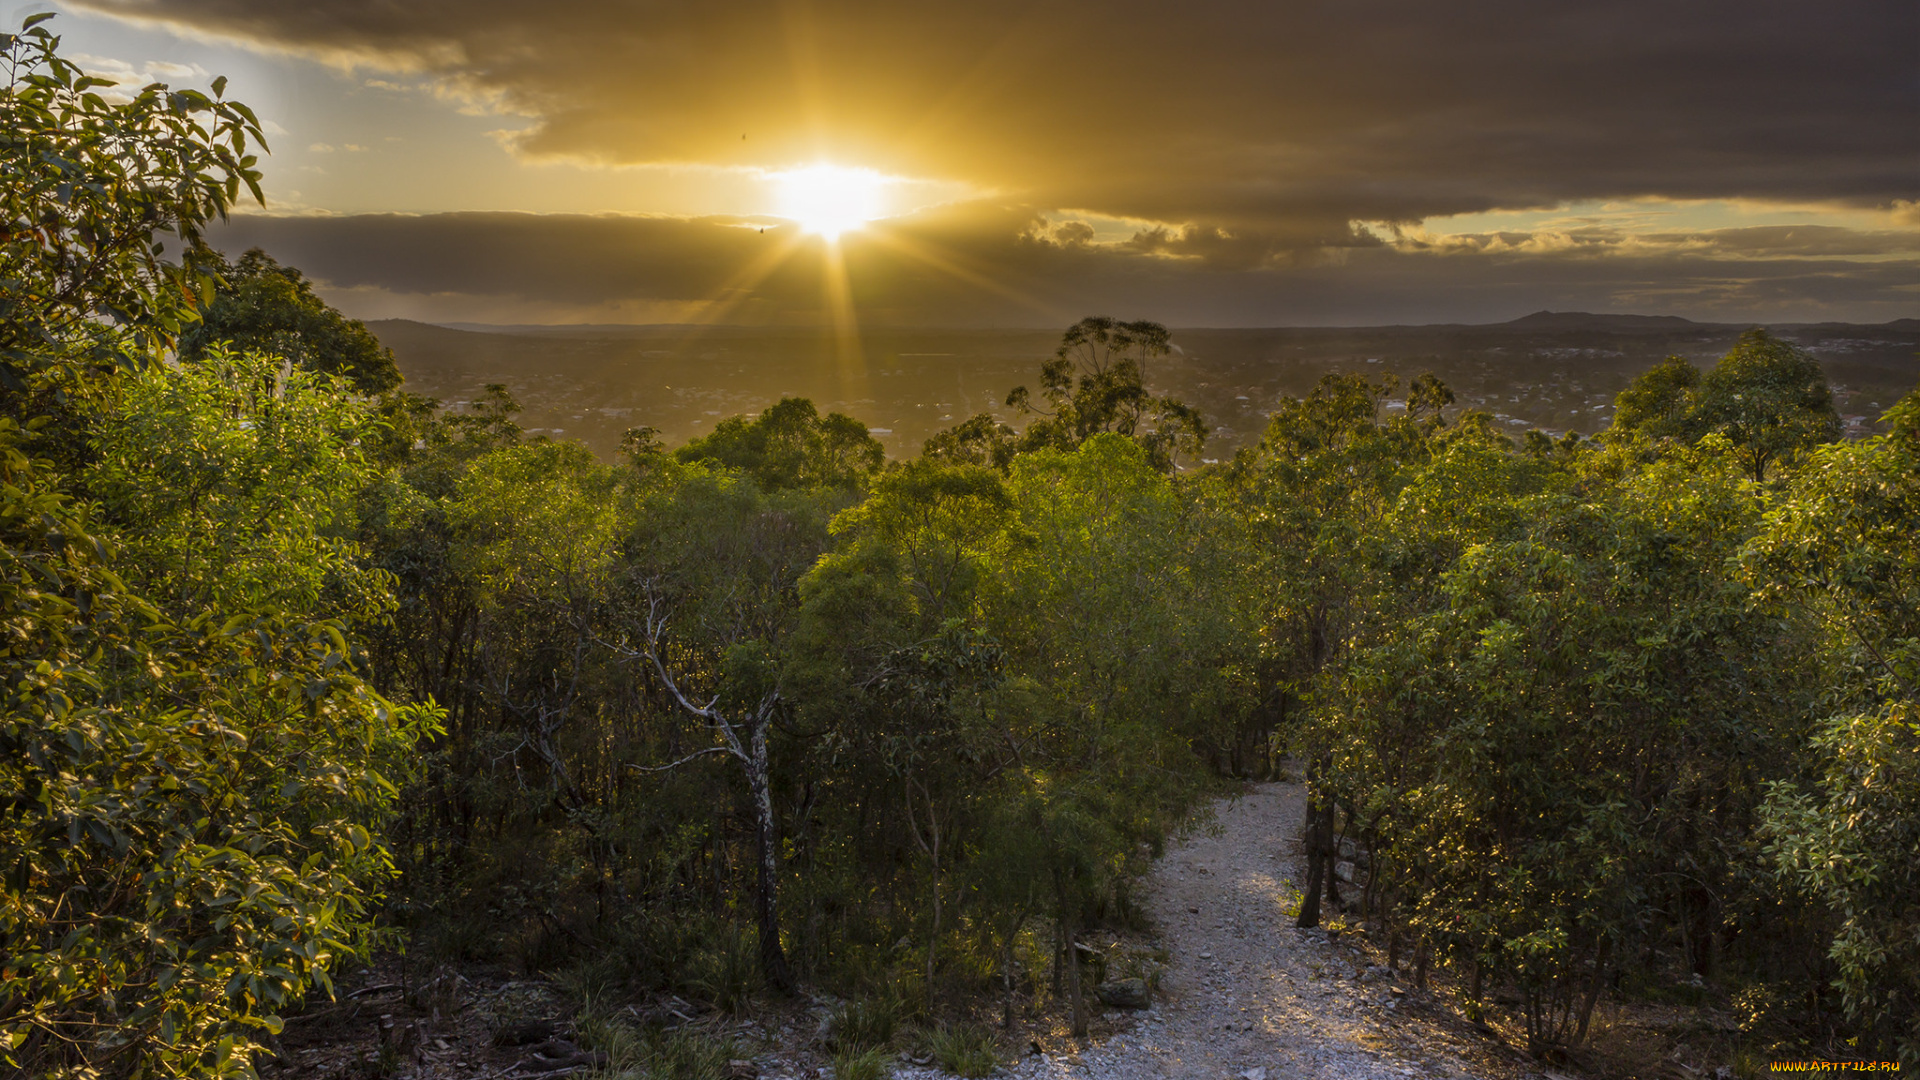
(1247, 993)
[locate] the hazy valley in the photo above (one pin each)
(1558, 372)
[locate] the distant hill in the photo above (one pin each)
(1583, 320)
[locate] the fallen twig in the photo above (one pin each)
(377, 988)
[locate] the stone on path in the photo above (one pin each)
(1124, 993)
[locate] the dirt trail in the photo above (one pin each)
(1248, 993)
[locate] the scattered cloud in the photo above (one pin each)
(129, 77)
(994, 264)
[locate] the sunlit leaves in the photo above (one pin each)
(790, 445)
(90, 185)
(1840, 549)
(184, 813)
(231, 484)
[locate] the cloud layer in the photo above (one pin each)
(988, 264)
(1282, 120)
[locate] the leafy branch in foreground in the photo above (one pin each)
(96, 192)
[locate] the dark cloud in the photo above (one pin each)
(998, 265)
(1793, 240)
(1286, 120)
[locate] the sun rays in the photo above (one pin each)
(841, 215)
(827, 200)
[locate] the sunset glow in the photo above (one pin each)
(828, 200)
(602, 163)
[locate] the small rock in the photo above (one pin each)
(1258, 1072)
(1124, 993)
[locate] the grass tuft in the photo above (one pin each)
(871, 1064)
(964, 1049)
(866, 1023)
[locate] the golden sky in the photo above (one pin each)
(1207, 162)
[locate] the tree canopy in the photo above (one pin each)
(261, 306)
(1768, 398)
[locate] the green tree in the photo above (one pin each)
(1313, 496)
(891, 656)
(1769, 398)
(192, 772)
(262, 306)
(790, 445)
(1575, 734)
(230, 485)
(1659, 402)
(96, 193)
(1840, 546)
(977, 440)
(709, 599)
(188, 809)
(1095, 383)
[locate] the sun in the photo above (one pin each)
(828, 200)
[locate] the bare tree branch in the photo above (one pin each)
(676, 764)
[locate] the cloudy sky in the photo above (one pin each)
(996, 163)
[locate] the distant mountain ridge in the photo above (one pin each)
(1540, 321)
(1586, 320)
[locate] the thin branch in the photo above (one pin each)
(684, 760)
(1860, 635)
(656, 626)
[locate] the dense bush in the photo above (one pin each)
(194, 773)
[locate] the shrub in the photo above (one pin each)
(866, 1023)
(186, 810)
(964, 1049)
(727, 970)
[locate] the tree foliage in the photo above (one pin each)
(96, 191)
(194, 772)
(1843, 549)
(1768, 398)
(1095, 384)
(263, 307)
(791, 445)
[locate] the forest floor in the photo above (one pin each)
(1243, 995)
